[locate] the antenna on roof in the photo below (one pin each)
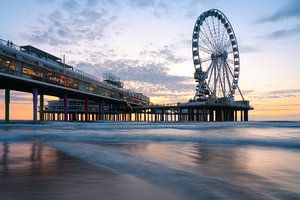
(64, 60)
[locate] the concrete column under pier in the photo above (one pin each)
(102, 109)
(99, 109)
(162, 115)
(211, 115)
(245, 115)
(242, 117)
(235, 115)
(41, 107)
(86, 109)
(35, 103)
(65, 108)
(7, 102)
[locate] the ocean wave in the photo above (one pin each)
(148, 125)
(167, 136)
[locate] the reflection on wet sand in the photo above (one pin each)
(260, 170)
(35, 171)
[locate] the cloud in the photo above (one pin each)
(71, 23)
(18, 96)
(287, 91)
(150, 78)
(70, 5)
(23, 97)
(246, 92)
(248, 49)
(133, 70)
(165, 53)
(141, 3)
(277, 94)
(283, 33)
(290, 10)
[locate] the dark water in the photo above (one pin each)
(255, 160)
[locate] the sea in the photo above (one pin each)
(150, 161)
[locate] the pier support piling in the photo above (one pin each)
(99, 109)
(245, 115)
(7, 102)
(65, 108)
(86, 109)
(41, 107)
(35, 103)
(102, 109)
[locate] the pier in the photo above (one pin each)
(83, 97)
(29, 69)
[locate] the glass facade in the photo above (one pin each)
(26, 67)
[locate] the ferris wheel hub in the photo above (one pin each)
(217, 55)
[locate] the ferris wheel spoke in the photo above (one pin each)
(223, 35)
(227, 44)
(210, 66)
(205, 50)
(230, 61)
(211, 34)
(221, 77)
(218, 79)
(211, 46)
(222, 86)
(227, 75)
(219, 36)
(230, 70)
(215, 80)
(224, 78)
(206, 42)
(230, 64)
(210, 71)
(215, 32)
(205, 60)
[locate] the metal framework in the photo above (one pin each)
(216, 57)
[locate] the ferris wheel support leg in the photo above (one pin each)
(240, 93)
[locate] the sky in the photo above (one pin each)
(148, 45)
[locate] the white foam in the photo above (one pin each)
(211, 133)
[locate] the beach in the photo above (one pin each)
(231, 160)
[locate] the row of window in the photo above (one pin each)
(47, 75)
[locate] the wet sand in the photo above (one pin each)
(32, 170)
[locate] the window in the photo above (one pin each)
(27, 71)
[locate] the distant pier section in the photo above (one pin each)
(181, 112)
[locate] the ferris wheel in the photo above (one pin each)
(216, 56)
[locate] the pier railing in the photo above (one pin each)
(60, 67)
